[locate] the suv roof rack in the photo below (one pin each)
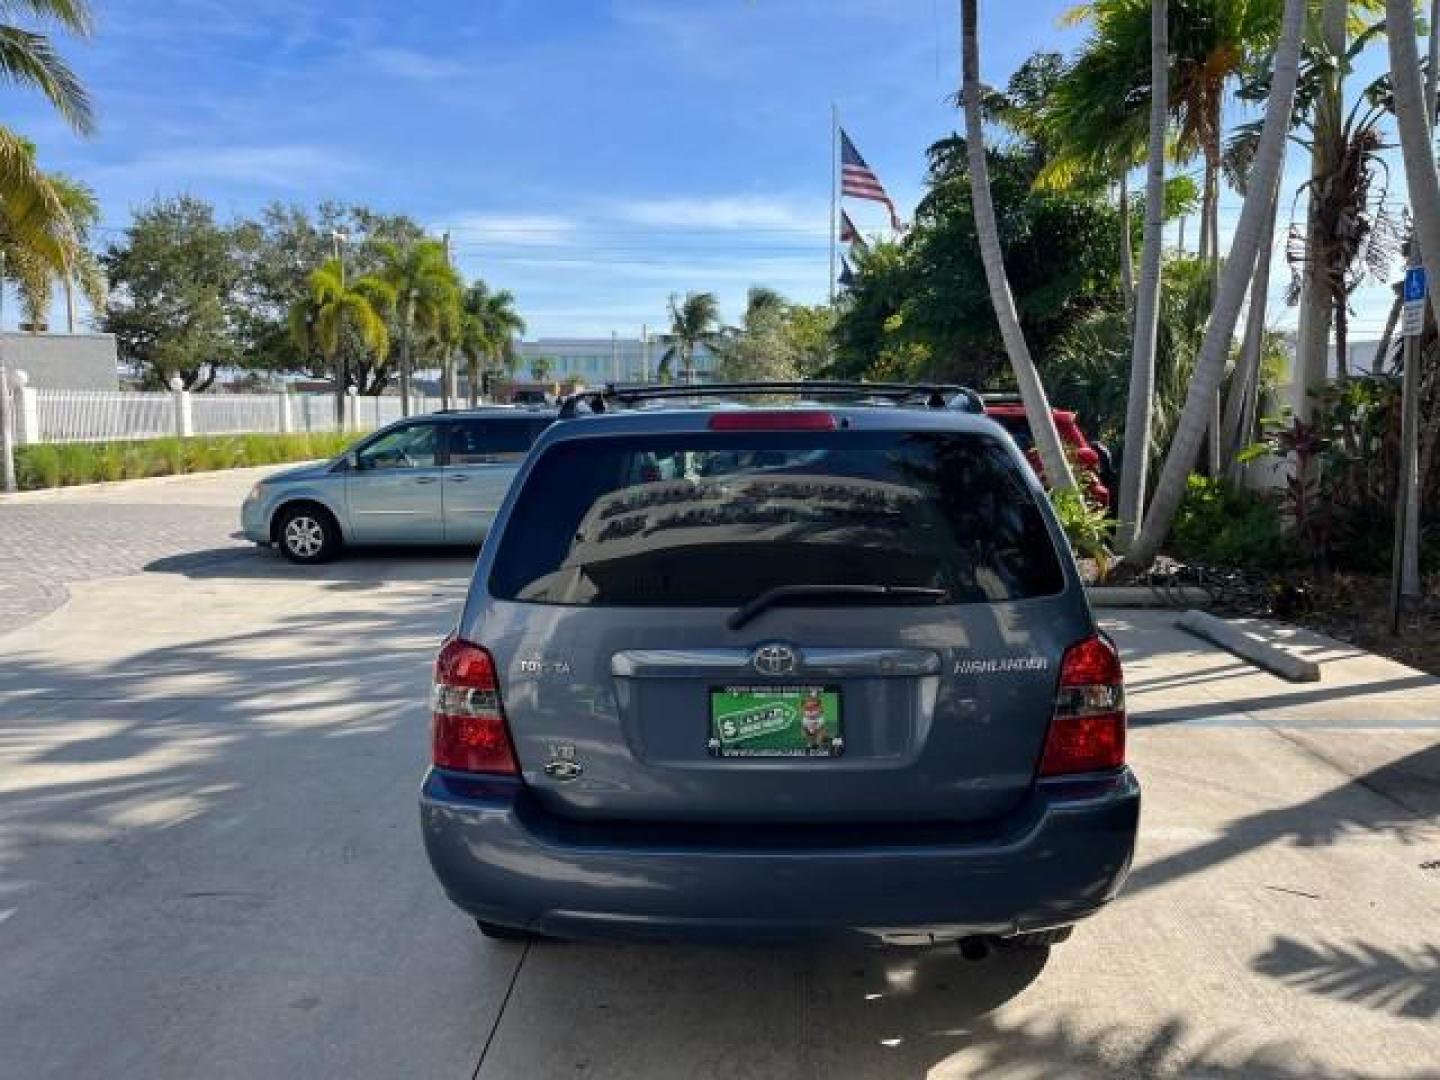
(929, 395)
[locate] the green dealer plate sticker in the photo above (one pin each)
(775, 722)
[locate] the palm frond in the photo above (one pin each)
(31, 209)
(30, 59)
(72, 15)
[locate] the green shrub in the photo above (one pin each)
(78, 464)
(109, 462)
(38, 466)
(1087, 527)
(1223, 525)
(48, 466)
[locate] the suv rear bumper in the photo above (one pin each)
(503, 859)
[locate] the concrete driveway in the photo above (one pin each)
(210, 865)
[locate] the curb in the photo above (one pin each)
(40, 494)
(1249, 645)
(1143, 596)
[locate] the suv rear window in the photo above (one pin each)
(718, 518)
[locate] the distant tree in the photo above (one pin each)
(427, 297)
(541, 367)
(921, 309)
(775, 340)
(335, 307)
(489, 326)
(176, 295)
(694, 321)
(280, 247)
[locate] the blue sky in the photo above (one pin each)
(591, 155)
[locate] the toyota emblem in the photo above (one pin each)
(775, 659)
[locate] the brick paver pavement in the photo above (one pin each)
(49, 539)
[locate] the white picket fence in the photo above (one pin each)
(56, 416)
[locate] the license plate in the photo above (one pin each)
(775, 721)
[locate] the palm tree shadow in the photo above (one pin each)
(1061, 1047)
(1363, 974)
(1400, 800)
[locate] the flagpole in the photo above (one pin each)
(834, 191)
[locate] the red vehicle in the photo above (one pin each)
(1007, 411)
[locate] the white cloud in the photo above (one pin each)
(291, 166)
(728, 212)
(537, 230)
(414, 65)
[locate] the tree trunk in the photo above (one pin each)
(1127, 254)
(1387, 336)
(1238, 424)
(1342, 342)
(473, 377)
(337, 370)
(1032, 391)
(1214, 154)
(1202, 251)
(1318, 301)
(1140, 406)
(1210, 367)
(405, 323)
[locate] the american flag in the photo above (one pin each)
(859, 181)
(847, 276)
(851, 235)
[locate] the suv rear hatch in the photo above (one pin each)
(899, 664)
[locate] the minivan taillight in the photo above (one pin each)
(467, 722)
(1087, 732)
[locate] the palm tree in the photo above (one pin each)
(1210, 368)
(427, 291)
(1326, 146)
(488, 328)
(1139, 412)
(540, 367)
(64, 255)
(1032, 392)
(331, 308)
(34, 212)
(694, 321)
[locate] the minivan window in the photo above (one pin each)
(412, 446)
(475, 442)
(718, 518)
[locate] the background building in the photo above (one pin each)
(601, 360)
(63, 361)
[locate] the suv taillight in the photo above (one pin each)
(467, 724)
(1087, 733)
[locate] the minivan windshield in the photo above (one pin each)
(719, 518)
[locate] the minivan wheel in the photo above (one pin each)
(307, 535)
(1037, 939)
(496, 932)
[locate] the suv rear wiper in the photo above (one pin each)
(784, 594)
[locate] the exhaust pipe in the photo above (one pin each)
(974, 948)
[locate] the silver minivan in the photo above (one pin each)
(436, 479)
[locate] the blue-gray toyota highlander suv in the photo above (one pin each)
(769, 671)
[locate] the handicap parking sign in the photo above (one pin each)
(1414, 284)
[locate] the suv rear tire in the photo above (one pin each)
(307, 534)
